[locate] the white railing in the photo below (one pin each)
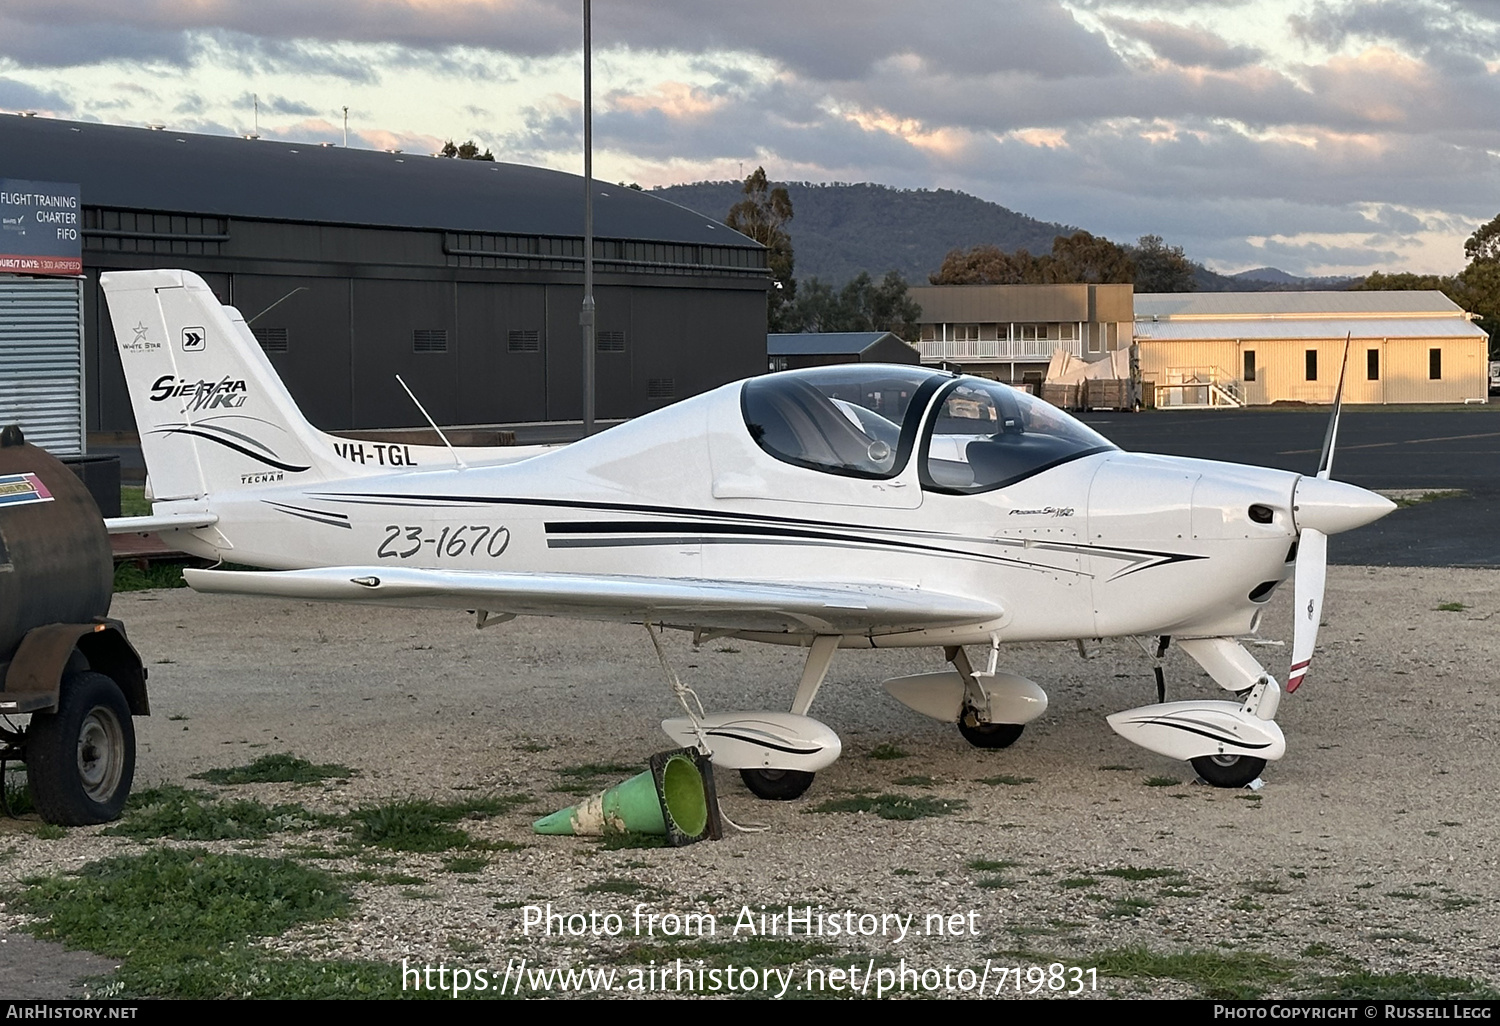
(934, 351)
(1199, 387)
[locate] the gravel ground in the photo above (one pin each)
(1376, 838)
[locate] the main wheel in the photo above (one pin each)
(777, 785)
(1227, 770)
(80, 760)
(991, 735)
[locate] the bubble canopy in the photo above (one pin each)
(865, 421)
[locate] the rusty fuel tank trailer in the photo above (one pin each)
(62, 660)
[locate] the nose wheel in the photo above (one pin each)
(777, 785)
(1227, 770)
(990, 735)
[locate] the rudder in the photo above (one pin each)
(211, 410)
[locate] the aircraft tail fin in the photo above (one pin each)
(211, 410)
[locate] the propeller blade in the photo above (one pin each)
(1331, 437)
(1311, 575)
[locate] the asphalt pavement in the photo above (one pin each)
(1378, 448)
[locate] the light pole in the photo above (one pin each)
(586, 317)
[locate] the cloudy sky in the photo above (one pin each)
(1319, 136)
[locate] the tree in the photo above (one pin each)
(986, 265)
(762, 215)
(468, 150)
(1159, 267)
(1079, 257)
(1476, 288)
(1082, 257)
(861, 305)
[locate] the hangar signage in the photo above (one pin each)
(41, 227)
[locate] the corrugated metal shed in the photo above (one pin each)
(1333, 327)
(140, 169)
(1373, 303)
(809, 343)
(41, 361)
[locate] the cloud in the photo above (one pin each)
(1188, 46)
(21, 96)
(273, 104)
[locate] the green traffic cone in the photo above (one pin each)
(673, 788)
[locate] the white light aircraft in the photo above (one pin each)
(851, 506)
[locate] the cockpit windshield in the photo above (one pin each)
(853, 420)
(984, 435)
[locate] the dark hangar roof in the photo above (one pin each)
(821, 343)
(227, 176)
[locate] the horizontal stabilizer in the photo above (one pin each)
(158, 524)
(733, 605)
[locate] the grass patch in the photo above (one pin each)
(1272, 886)
(1451, 607)
(1127, 908)
(1162, 781)
(621, 842)
(1077, 883)
(896, 806)
(133, 502)
(617, 885)
(1136, 873)
(1007, 781)
(1405, 498)
(995, 883)
(18, 795)
(886, 750)
(173, 904)
(422, 825)
(185, 815)
(1241, 976)
(991, 865)
(130, 577)
(279, 768)
(914, 782)
(466, 864)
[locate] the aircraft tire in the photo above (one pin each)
(777, 785)
(80, 760)
(991, 735)
(1227, 770)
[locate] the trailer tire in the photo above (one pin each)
(80, 760)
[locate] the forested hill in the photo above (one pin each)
(840, 230)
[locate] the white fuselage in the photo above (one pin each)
(1107, 544)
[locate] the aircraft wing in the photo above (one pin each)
(729, 605)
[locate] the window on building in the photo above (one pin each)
(1249, 364)
(1434, 365)
(429, 340)
(1372, 364)
(1312, 365)
(966, 333)
(523, 341)
(1032, 332)
(272, 340)
(1067, 332)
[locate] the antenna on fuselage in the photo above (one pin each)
(461, 464)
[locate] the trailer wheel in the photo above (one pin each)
(80, 760)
